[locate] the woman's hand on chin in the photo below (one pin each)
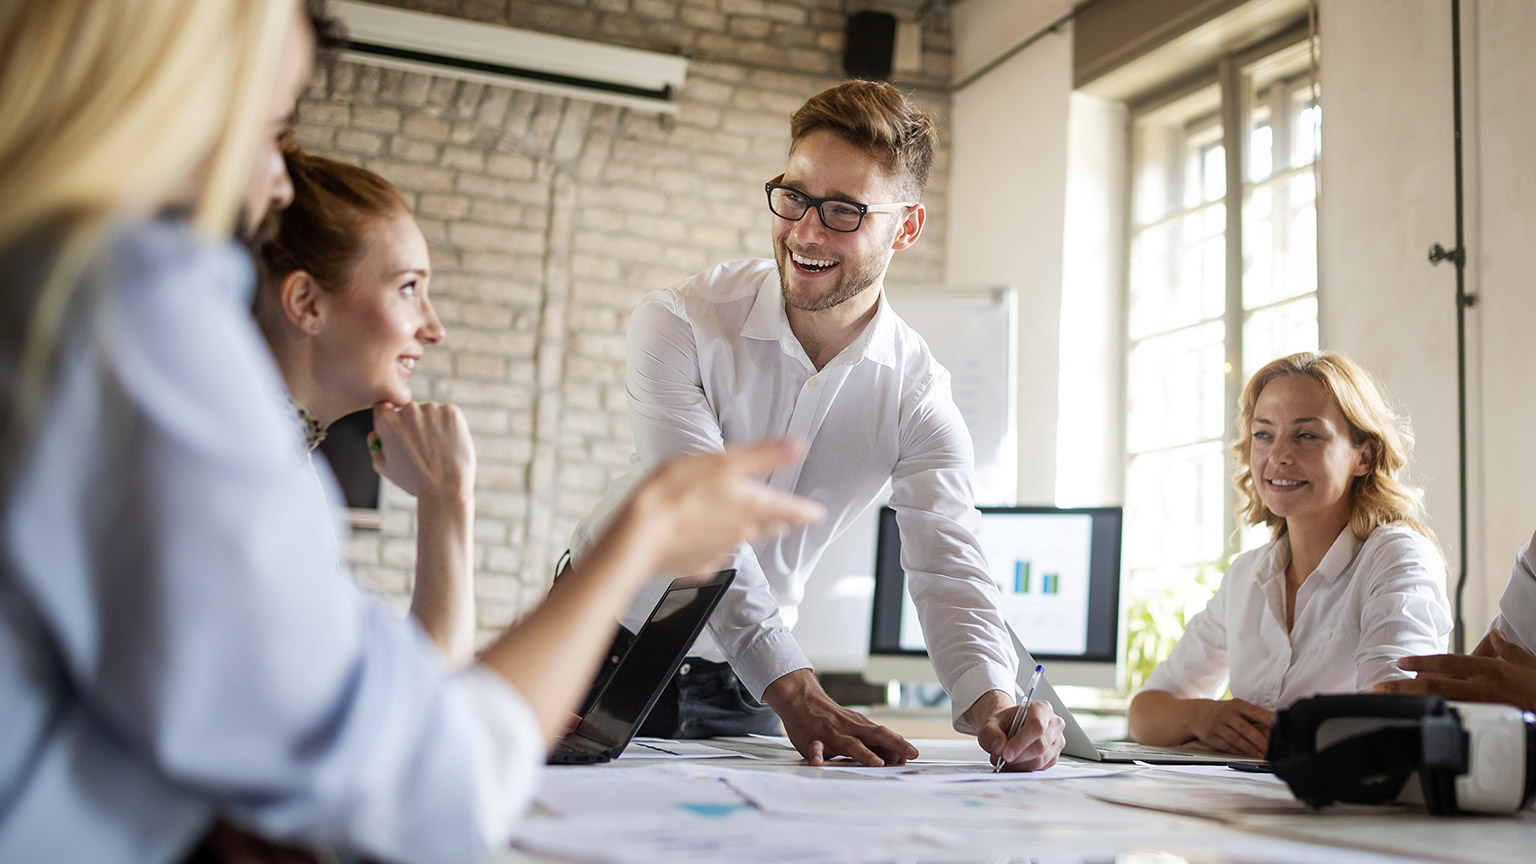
(424, 448)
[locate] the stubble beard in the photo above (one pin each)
(850, 284)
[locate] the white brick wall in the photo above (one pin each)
(548, 218)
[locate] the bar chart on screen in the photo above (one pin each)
(1041, 571)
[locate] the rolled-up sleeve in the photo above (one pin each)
(670, 414)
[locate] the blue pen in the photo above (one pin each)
(1018, 719)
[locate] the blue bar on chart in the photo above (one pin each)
(1021, 577)
(1049, 583)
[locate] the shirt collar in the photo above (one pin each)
(1340, 555)
(768, 321)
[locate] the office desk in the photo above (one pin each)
(773, 808)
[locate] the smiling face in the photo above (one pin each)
(820, 268)
(374, 330)
(1303, 462)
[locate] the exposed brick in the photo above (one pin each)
(413, 151)
(704, 19)
(376, 118)
(419, 124)
(548, 217)
(750, 28)
(443, 206)
(423, 178)
(358, 142)
(324, 114)
(663, 10)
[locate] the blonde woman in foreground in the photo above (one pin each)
(1352, 581)
(176, 646)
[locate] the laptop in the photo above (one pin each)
(642, 672)
(1082, 747)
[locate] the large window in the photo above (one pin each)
(1222, 279)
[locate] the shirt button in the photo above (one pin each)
(684, 669)
(811, 383)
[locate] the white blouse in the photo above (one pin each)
(1517, 608)
(1367, 604)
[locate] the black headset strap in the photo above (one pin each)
(1364, 769)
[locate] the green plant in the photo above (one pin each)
(1159, 603)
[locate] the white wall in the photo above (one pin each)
(1387, 195)
(1504, 261)
(1007, 198)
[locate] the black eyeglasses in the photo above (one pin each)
(838, 214)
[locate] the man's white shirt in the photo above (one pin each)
(712, 362)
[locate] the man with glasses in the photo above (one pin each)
(805, 345)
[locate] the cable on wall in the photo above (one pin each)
(1457, 255)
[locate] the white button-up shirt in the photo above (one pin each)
(1366, 605)
(175, 642)
(712, 361)
(1517, 608)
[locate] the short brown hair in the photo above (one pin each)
(881, 120)
(1382, 496)
(323, 231)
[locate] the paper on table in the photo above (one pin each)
(1197, 796)
(667, 791)
(971, 772)
(868, 801)
(667, 748)
(749, 837)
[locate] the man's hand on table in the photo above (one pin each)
(821, 729)
(1038, 743)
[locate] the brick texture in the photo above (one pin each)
(549, 217)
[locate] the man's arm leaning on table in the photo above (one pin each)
(932, 491)
(670, 413)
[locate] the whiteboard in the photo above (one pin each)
(973, 334)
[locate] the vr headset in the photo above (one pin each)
(1367, 749)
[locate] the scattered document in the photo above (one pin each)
(668, 792)
(971, 772)
(1215, 798)
(866, 800)
(667, 748)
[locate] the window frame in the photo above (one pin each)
(1232, 76)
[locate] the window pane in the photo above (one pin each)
(1261, 152)
(1175, 388)
(1307, 133)
(1277, 331)
(1300, 274)
(1174, 506)
(1177, 271)
(1258, 248)
(1207, 175)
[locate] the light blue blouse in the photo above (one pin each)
(174, 642)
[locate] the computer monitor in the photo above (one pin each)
(1058, 573)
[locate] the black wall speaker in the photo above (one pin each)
(869, 44)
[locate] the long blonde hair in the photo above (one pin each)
(1380, 496)
(115, 109)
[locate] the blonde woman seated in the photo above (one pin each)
(1352, 581)
(342, 302)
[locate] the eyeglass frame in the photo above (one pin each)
(815, 204)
